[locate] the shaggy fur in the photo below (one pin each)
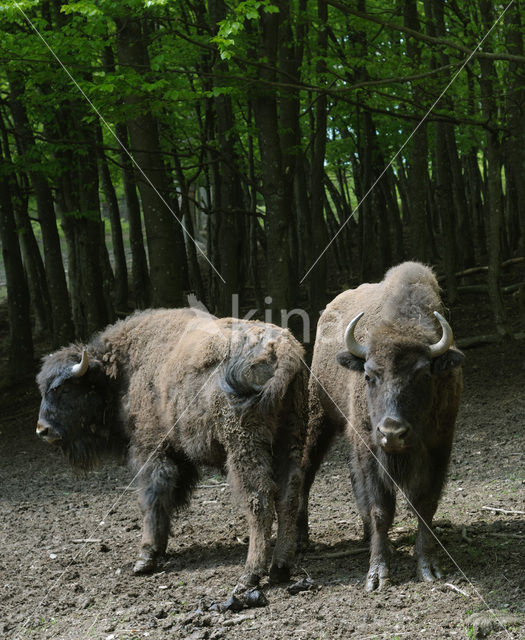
(181, 388)
(403, 385)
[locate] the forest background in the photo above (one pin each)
(273, 151)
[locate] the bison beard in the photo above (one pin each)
(397, 400)
(176, 389)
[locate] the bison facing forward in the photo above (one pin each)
(397, 399)
(180, 388)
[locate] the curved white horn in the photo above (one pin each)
(352, 345)
(78, 370)
(440, 347)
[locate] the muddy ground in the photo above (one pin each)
(68, 543)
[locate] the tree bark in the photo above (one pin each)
(418, 168)
(494, 209)
(62, 323)
(139, 261)
(277, 216)
(20, 360)
(319, 236)
(167, 255)
(119, 255)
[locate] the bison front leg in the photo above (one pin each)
(166, 484)
(381, 517)
(425, 551)
(376, 503)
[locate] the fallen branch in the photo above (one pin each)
(338, 554)
(456, 589)
(476, 341)
(87, 540)
(497, 534)
(474, 270)
(505, 511)
(483, 288)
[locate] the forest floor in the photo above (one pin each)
(68, 543)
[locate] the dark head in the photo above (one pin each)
(400, 370)
(75, 407)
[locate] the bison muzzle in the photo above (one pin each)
(174, 389)
(396, 390)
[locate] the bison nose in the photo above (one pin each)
(46, 432)
(393, 434)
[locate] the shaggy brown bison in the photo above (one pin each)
(396, 389)
(179, 388)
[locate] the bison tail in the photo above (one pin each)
(261, 382)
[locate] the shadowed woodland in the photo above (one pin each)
(281, 151)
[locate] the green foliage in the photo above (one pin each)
(234, 24)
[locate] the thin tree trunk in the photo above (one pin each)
(167, 255)
(63, 330)
(139, 262)
(20, 360)
(119, 255)
(277, 217)
(319, 236)
(418, 169)
(495, 194)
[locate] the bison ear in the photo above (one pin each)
(349, 361)
(451, 359)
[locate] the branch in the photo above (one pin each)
(505, 511)
(493, 338)
(425, 38)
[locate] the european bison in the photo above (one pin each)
(179, 388)
(396, 389)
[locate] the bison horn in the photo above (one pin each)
(78, 370)
(440, 347)
(352, 345)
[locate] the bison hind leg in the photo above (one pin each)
(167, 482)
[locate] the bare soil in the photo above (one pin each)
(68, 543)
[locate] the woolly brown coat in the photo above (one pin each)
(397, 328)
(181, 388)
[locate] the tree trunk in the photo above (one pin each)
(277, 216)
(515, 144)
(139, 262)
(119, 255)
(319, 236)
(494, 207)
(90, 282)
(418, 168)
(167, 255)
(63, 330)
(20, 361)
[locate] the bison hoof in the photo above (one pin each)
(429, 570)
(247, 581)
(147, 563)
(377, 579)
(279, 574)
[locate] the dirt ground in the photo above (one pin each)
(68, 543)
